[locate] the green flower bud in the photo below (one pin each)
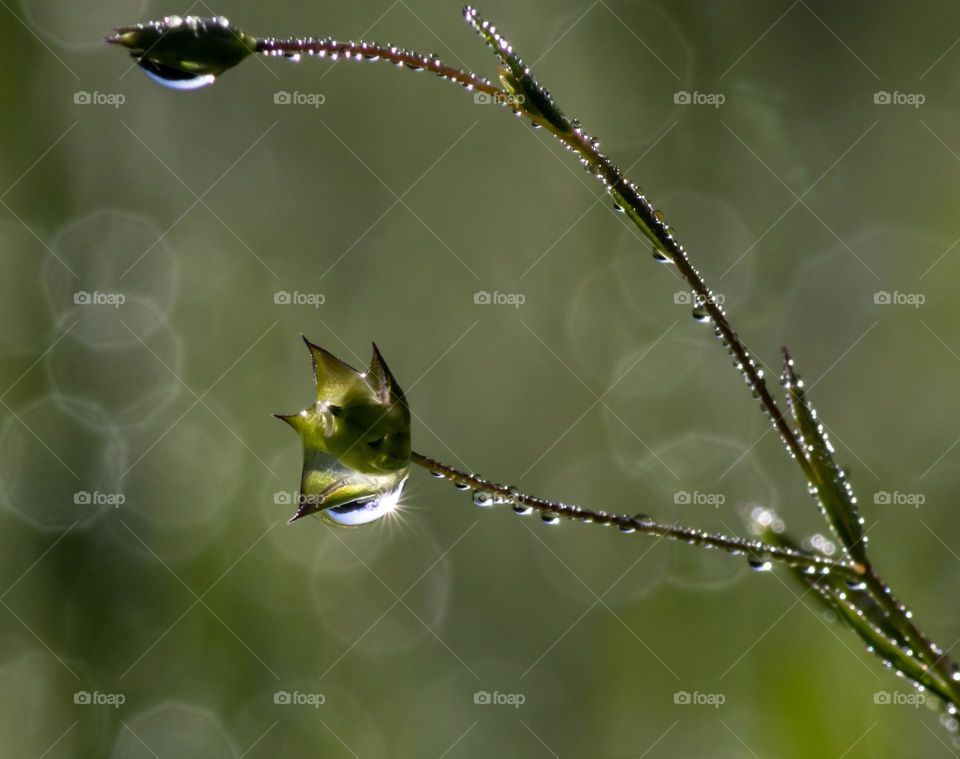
(356, 441)
(185, 53)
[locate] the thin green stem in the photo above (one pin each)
(755, 549)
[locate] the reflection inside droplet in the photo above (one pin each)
(363, 512)
(174, 78)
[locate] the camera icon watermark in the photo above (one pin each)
(688, 298)
(913, 99)
(896, 698)
(500, 98)
(896, 498)
(896, 298)
(696, 698)
(296, 698)
(296, 298)
(312, 99)
(484, 298)
(288, 498)
(96, 498)
(486, 698)
(714, 99)
(97, 298)
(696, 498)
(112, 99)
(96, 698)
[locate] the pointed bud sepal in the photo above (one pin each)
(185, 53)
(356, 441)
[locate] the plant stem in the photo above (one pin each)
(625, 193)
(794, 557)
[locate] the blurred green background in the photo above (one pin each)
(801, 197)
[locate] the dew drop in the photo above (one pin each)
(549, 517)
(439, 475)
(760, 564)
(173, 77)
(521, 509)
(461, 486)
(700, 314)
(482, 498)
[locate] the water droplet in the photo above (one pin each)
(482, 498)
(760, 564)
(439, 475)
(521, 509)
(549, 517)
(461, 486)
(856, 585)
(699, 313)
(174, 78)
(628, 528)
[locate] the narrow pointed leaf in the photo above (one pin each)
(829, 485)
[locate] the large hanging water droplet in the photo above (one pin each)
(364, 512)
(174, 78)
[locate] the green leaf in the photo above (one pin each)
(356, 441)
(828, 484)
(516, 77)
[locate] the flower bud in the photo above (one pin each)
(356, 441)
(185, 52)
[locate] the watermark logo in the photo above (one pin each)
(86, 698)
(715, 99)
(896, 698)
(96, 498)
(896, 498)
(483, 298)
(486, 698)
(97, 298)
(696, 498)
(296, 698)
(286, 498)
(896, 298)
(915, 99)
(687, 298)
(686, 698)
(313, 99)
(113, 99)
(500, 98)
(297, 298)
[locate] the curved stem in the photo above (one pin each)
(642, 523)
(625, 193)
(371, 51)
